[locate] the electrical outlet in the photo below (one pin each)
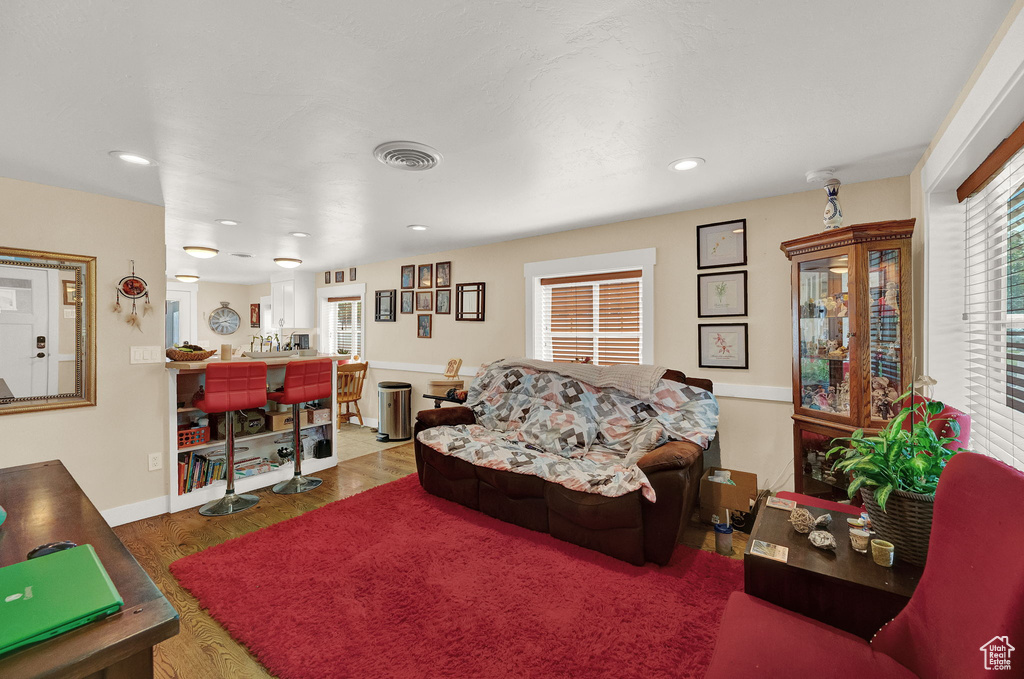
(155, 461)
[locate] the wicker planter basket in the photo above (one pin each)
(906, 523)
(176, 355)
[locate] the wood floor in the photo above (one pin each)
(202, 649)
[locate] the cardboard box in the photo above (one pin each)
(715, 498)
(319, 416)
(279, 421)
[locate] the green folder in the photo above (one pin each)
(43, 597)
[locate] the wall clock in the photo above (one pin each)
(224, 320)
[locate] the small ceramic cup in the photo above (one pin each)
(859, 539)
(855, 523)
(881, 552)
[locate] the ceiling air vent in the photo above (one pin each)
(407, 155)
(243, 255)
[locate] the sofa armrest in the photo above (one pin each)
(672, 455)
(436, 417)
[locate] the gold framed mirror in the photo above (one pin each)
(47, 330)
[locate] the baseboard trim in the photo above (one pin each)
(117, 516)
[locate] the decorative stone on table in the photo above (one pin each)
(822, 539)
(823, 521)
(801, 520)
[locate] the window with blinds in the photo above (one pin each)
(597, 317)
(994, 313)
(347, 325)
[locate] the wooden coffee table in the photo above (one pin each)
(844, 589)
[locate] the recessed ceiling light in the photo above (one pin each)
(684, 164)
(133, 158)
(287, 262)
(200, 252)
(227, 222)
(186, 277)
(243, 255)
(417, 227)
(299, 234)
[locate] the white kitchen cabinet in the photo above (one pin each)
(293, 300)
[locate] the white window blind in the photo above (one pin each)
(594, 316)
(994, 314)
(347, 324)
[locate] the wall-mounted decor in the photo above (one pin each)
(224, 320)
(426, 276)
(134, 288)
(254, 315)
(469, 301)
(352, 275)
(327, 277)
(425, 301)
(722, 294)
(339, 276)
(443, 275)
(723, 345)
(443, 304)
(722, 244)
(70, 293)
(423, 326)
(408, 276)
(384, 305)
(408, 304)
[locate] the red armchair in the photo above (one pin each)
(972, 590)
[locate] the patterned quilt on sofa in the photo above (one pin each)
(571, 433)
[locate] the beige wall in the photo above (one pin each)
(756, 434)
(210, 297)
(105, 447)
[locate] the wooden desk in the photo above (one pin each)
(44, 504)
(842, 588)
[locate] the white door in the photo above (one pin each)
(28, 354)
(181, 314)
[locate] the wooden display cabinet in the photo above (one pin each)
(852, 340)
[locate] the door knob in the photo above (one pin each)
(40, 355)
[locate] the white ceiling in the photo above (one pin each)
(550, 115)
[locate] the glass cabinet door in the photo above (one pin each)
(824, 326)
(885, 347)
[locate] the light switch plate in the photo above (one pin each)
(152, 354)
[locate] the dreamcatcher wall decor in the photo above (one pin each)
(134, 288)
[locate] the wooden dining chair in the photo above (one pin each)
(350, 390)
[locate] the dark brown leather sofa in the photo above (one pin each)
(627, 527)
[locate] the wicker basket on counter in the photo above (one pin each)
(176, 355)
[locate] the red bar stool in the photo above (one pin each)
(231, 387)
(303, 381)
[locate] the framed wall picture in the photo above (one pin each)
(426, 276)
(443, 302)
(339, 276)
(723, 345)
(384, 305)
(352, 275)
(425, 301)
(469, 301)
(327, 277)
(423, 326)
(408, 276)
(722, 294)
(722, 244)
(70, 296)
(254, 315)
(443, 275)
(407, 301)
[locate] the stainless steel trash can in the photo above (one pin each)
(394, 411)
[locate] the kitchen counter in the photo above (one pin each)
(284, 360)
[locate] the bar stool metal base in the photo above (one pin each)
(229, 504)
(297, 484)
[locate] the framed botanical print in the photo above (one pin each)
(407, 301)
(425, 301)
(423, 326)
(443, 302)
(426, 276)
(443, 275)
(722, 244)
(339, 276)
(408, 276)
(327, 277)
(254, 315)
(352, 275)
(722, 294)
(469, 301)
(384, 305)
(723, 345)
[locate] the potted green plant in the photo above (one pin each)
(897, 471)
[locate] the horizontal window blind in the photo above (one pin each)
(994, 314)
(595, 316)
(347, 326)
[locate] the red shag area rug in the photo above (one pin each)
(395, 582)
